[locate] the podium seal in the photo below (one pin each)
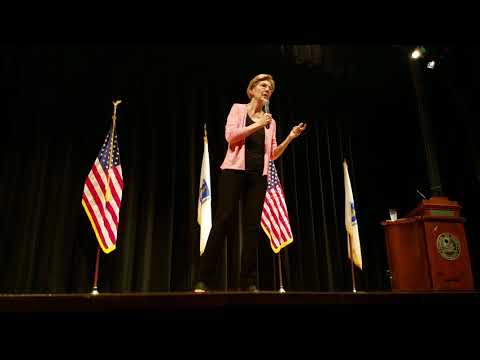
(448, 246)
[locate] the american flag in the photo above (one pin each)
(275, 220)
(102, 193)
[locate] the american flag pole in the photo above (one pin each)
(97, 261)
(107, 192)
(281, 290)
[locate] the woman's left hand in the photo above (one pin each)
(297, 130)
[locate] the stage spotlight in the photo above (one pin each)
(418, 52)
(431, 64)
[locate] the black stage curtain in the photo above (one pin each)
(359, 103)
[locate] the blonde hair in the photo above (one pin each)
(256, 80)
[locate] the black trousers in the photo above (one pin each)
(235, 185)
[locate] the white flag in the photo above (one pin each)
(351, 224)
(204, 212)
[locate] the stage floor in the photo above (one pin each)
(178, 302)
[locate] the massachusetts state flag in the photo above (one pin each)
(275, 221)
(351, 224)
(102, 193)
(204, 209)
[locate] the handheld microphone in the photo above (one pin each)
(267, 110)
(423, 196)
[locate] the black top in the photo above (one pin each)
(254, 149)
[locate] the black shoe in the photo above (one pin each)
(201, 287)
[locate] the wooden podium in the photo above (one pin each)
(428, 249)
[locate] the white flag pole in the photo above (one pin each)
(281, 290)
(351, 263)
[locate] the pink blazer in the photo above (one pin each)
(235, 136)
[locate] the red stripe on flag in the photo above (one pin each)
(112, 212)
(100, 207)
(118, 176)
(284, 214)
(98, 176)
(272, 218)
(98, 228)
(275, 218)
(113, 189)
